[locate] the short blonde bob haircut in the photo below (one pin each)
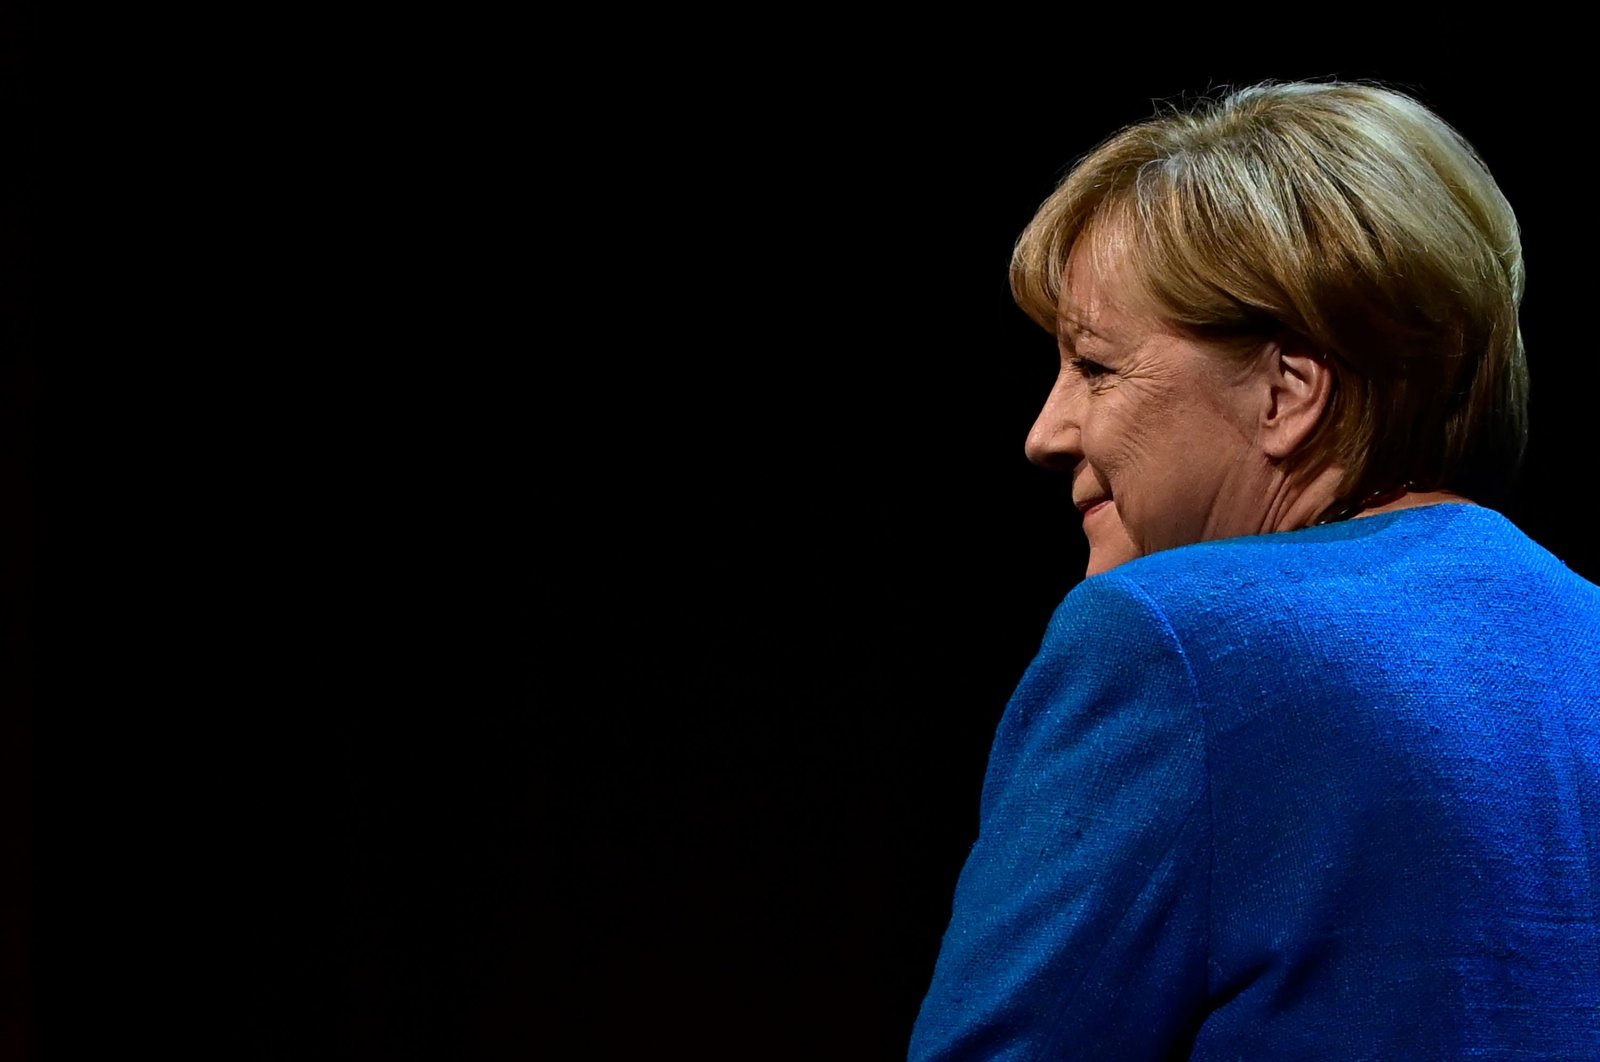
(1346, 215)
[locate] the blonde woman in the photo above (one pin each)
(1309, 766)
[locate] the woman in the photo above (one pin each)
(1310, 766)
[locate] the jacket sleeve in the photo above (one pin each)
(1079, 924)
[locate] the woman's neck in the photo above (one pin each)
(1413, 499)
(1317, 501)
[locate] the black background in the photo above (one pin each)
(560, 600)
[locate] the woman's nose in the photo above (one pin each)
(1054, 440)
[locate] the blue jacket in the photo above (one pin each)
(1322, 794)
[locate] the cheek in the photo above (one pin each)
(1110, 443)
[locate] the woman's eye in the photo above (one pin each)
(1089, 370)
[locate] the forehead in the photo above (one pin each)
(1095, 289)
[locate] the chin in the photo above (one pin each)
(1110, 544)
(1110, 548)
(1105, 560)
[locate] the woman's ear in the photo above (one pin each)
(1298, 389)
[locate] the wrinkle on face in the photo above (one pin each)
(1166, 429)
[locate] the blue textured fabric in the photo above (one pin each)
(1322, 794)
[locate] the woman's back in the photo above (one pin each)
(1332, 793)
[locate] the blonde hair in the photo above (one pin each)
(1346, 214)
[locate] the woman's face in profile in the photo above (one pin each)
(1155, 428)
